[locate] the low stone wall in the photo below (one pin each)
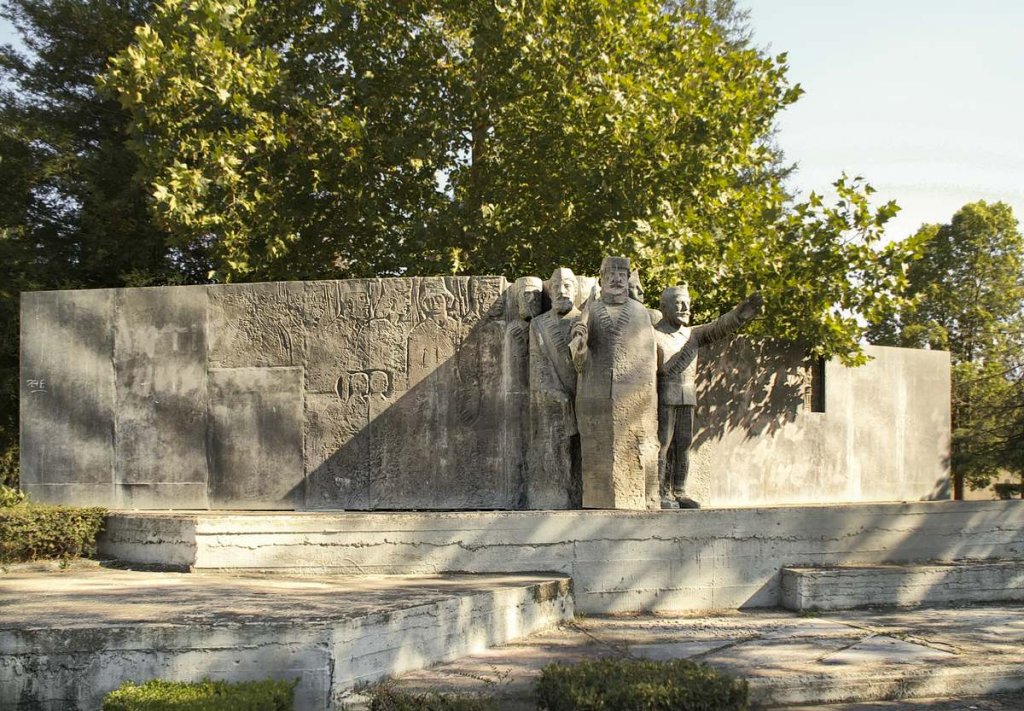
(846, 587)
(619, 561)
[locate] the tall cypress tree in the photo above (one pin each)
(71, 214)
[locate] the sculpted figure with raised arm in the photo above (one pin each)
(677, 346)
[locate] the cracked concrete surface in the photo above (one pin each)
(69, 637)
(860, 659)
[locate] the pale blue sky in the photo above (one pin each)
(924, 98)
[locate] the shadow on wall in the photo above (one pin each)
(434, 430)
(445, 429)
(753, 387)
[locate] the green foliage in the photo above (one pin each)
(965, 292)
(205, 695)
(10, 468)
(376, 137)
(387, 698)
(610, 684)
(10, 496)
(36, 531)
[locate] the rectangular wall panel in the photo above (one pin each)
(67, 396)
(255, 440)
(161, 424)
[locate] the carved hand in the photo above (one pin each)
(578, 345)
(750, 306)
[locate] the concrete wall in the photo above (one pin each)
(618, 560)
(298, 395)
(352, 395)
(883, 435)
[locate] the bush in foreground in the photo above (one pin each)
(204, 695)
(621, 684)
(35, 531)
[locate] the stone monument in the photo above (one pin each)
(677, 347)
(553, 480)
(526, 302)
(636, 292)
(453, 393)
(614, 352)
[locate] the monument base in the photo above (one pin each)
(68, 639)
(620, 561)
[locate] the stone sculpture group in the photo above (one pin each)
(611, 390)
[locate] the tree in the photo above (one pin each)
(965, 291)
(70, 213)
(375, 137)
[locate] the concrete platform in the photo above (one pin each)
(620, 561)
(854, 657)
(846, 587)
(69, 637)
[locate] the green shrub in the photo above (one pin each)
(9, 496)
(620, 684)
(36, 531)
(386, 698)
(204, 695)
(10, 469)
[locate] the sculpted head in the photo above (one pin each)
(435, 299)
(563, 289)
(636, 289)
(615, 280)
(675, 305)
(530, 295)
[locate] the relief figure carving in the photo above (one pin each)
(434, 340)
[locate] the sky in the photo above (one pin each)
(924, 98)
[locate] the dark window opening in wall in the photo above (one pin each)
(818, 385)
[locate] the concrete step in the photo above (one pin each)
(619, 561)
(789, 659)
(69, 637)
(851, 586)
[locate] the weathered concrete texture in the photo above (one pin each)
(67, 397)
(256, 438)
(161, 413)
(619, 561)
(68, 638)
(616, 408)
(838, 588)
(376, 393)
(413, 398)
(255, 325)
(787, 659)
(884, 434)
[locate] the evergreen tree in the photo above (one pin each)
(71, 214)
(965, 291)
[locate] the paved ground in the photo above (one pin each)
(956, 658)
(44, 595)
(790, 660)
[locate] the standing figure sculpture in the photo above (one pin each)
(636, 292)
(526, 298)
(677, 346)
(613, 349)
(553, 473)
